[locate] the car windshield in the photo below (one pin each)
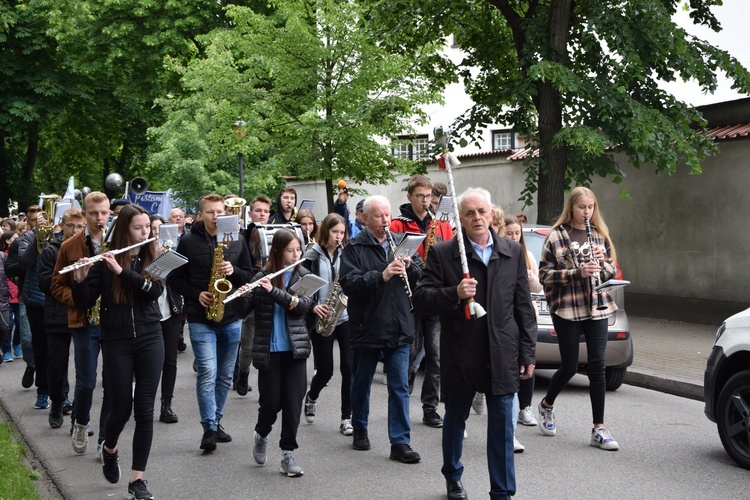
(534, 243)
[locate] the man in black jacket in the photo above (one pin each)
(214, 343)
(488, 354)
(380, 321)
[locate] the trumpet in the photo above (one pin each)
(255, 284)
(404, 276)
(97, 258)
(597, 277)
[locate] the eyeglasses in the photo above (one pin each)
(80, 227)
(422, 197)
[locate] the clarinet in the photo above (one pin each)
(597, 277)
(404, 276)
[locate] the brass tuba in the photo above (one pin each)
(218, 285)
(45, 226)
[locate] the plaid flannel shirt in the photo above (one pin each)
(564, 288)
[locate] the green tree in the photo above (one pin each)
(320, 96)
(579, 78)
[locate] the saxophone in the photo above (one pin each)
(336, 302)
(431, 236)
(218, 285)
(93, 314)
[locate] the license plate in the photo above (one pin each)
(541, 307)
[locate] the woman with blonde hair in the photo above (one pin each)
(569, 269)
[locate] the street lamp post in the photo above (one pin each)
(239, 133)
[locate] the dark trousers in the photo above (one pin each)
(170, 329)
(39, 346)
(499, 441)
(142, 356)
(427, 336)
(323, 352)
(281, 387)
(568, 335)
(58, 347)
(526, 392)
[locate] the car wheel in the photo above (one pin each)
(615, 377)
(733, 418)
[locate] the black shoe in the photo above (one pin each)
(360, 440)
(432, 419)
(137, 490)
(167, 415)
(28, 377)
(67, 408)
(222, 436)
(242, 383)
(404, 454)
(110, 466)
(412, 377)
(456, 490)
(56, 418)
(208, 442)
(181, 345)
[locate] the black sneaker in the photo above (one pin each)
(310, 409)
(404, 454)
(137, 491)
(56, 418)
(208, 442)
(222, 436)
(181, 345)
(28, 377)
(360, 440)
(110, 466)
(432, 419)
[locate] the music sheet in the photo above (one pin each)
(408, 245)
(228, 228)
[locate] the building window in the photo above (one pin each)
(503, 139)
(411, 147)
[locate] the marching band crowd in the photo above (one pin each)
(65, 281)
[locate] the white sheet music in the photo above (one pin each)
(165, 264)
(445, 209)
(60, 208)
(408, 245)
(228, 228)
(308, 285)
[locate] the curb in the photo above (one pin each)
(674, 387)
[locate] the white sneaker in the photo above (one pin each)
(346, 427)
(80, 438)
(601, 438)
(517, 447)
(466, 434)
(526, 417)
(547, 420)
(478, 403)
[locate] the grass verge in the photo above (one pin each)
(17, 478)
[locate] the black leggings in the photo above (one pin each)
(170, 329)
(323, 352)
(281, 388)
(142, 356)
(568, 335)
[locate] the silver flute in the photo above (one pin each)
(255, 284)
(97, 258)
(404, 276)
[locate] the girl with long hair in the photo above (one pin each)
(280, 348)
(309, 226)
(567, 270)
(324, 259)
(132, 343)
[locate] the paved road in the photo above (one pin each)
(669, 448)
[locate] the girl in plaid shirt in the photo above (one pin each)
(568, 271)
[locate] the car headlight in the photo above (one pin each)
(720, 331)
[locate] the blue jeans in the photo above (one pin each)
(364, 364)
(215, 349)
(26, 345)
(499, 441)
(86, 345)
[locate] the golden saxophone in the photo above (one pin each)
(218, 285)
(294, 215)
(431, 236)
(336, 302)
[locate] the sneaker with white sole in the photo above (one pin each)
(289, 466)
(111, 466)
(346, 427)
(478, 403)
(601, 438)
(547, 420)
(309, 409)
(526, 417)
(517, 447)
(80, 439)
(259, 449)
(137, 490)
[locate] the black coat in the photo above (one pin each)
(480, 354)
(192, 278)
(379, 315)
(55, 312)
(263, 303)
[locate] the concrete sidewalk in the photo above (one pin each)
(670, 356)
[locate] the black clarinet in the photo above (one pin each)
(597, 277)
(404, 276)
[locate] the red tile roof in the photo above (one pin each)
(727, 132)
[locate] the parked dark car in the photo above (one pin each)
(619, 352)
(726, 386)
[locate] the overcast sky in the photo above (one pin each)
(733, 16)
